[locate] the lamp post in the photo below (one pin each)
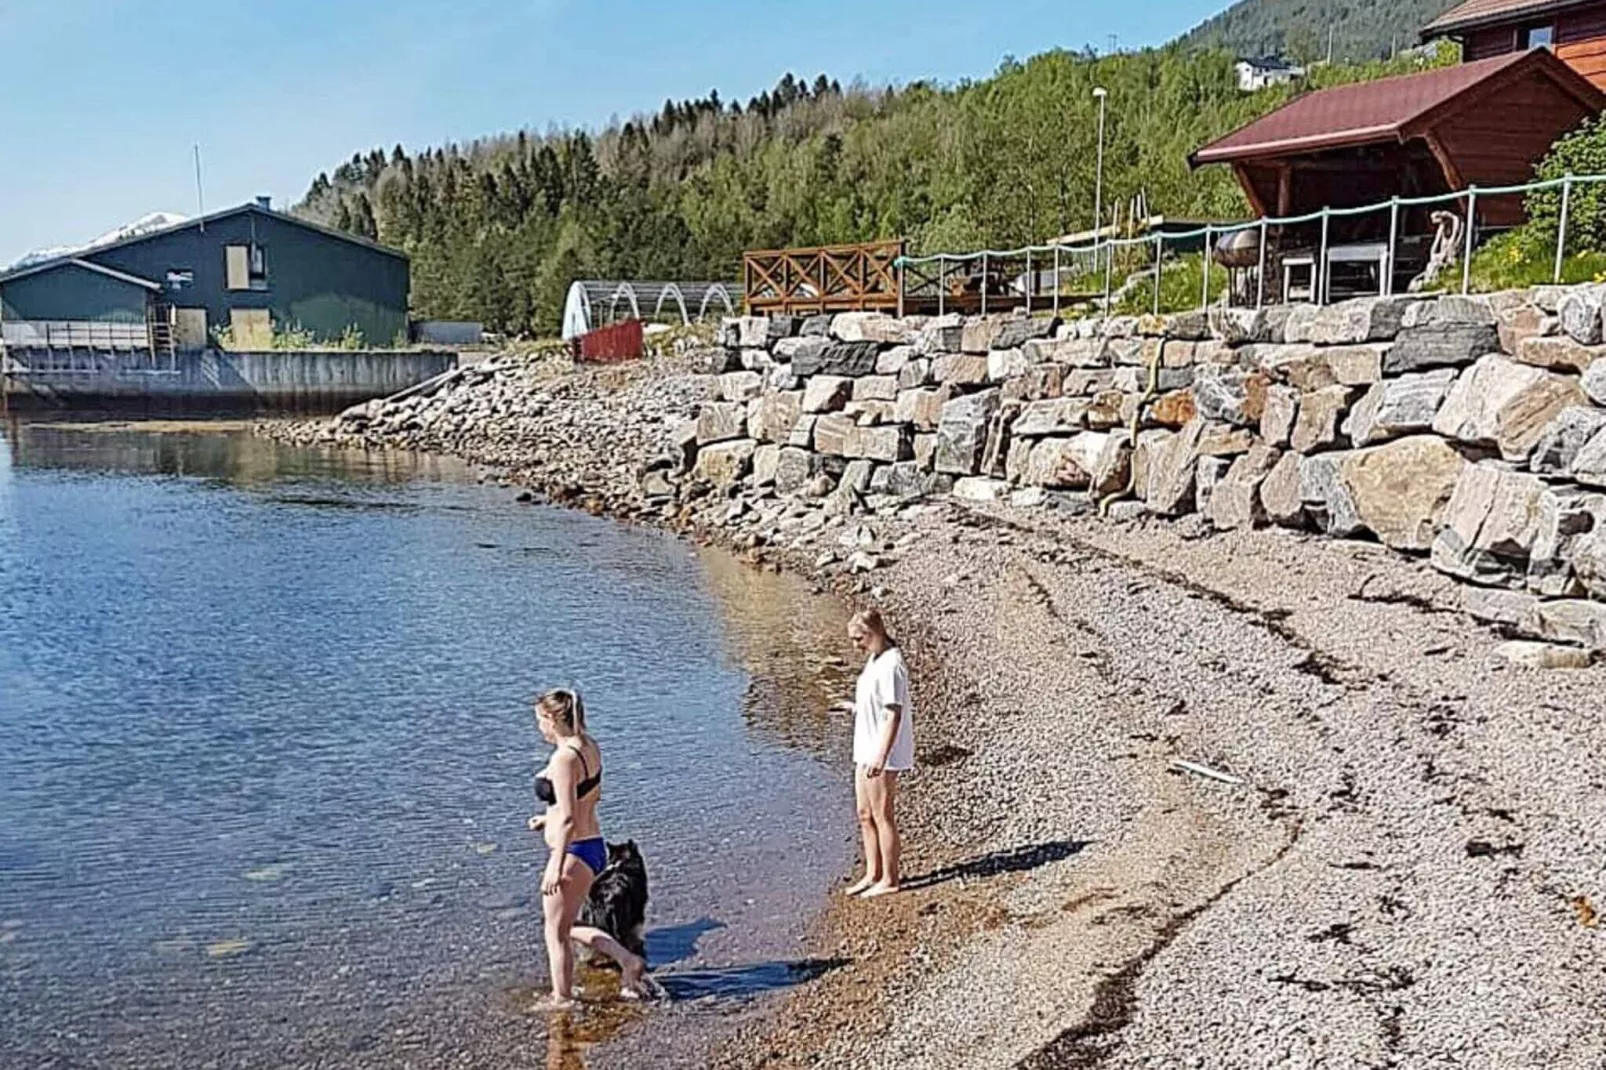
(1099, 94)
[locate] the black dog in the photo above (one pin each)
(618, 901)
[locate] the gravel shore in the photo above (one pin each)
(1406, 875)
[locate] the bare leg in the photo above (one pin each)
(560, 910)
(633, 980)
(867, 833)
(883, 795)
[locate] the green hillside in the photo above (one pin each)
(1361, 29)
(498, 228)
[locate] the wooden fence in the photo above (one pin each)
(832, 278)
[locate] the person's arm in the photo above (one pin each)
(559, 819)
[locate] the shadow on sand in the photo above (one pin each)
(677, 943)
(1014, 860)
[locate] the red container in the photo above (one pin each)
(611, 344)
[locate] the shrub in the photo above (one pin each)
(1582, 152)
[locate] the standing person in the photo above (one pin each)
(571, 785)
(883, 747)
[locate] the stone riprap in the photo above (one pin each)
(1444, 426)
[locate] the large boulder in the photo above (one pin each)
(1568, 556)
(1017, 332)
(1232, 397)
(1565, 438)
(1560, 354)
(836, 436)
(1580, 313)
(1006, 364)
(1236, 501)
(1237, 326)
(1279, 415)
(1569, 621)
(794, 468)
(1446, 332)
(724, 464)
(720, 421)
(1358, 365)
(850, 359)
(1399, 491)
(979, 333)
(876, 327)
(1364, 319)
(740, 386)
(1304, 367)
(1055, 416)
(1112, 472)
(766, 459)
(1320, 414)
(1065, 463)
(959, 370)
(1501, 403)
(876, 388)
(1490, 525)
(1170, 472)
(1280, 492)
(1396, 407)
(887, 443)
(827, 393)
(770, 418)
(962, 432)
(920, 407)
(1589, 465)
(1595, 382)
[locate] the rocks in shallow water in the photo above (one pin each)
(1501, 403)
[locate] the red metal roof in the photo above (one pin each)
(1482, 12)
(1391, 109)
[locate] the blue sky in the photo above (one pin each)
(102, 101)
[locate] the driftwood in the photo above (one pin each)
(1196, 769)
(1448, 232)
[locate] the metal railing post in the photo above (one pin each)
(902, 285)
(942, 284)
(1386, 283)
(1109, 275)
(986, 277)
(1561, 227)
(1159, 268)
(1030, 282)
(1056, 281)
(1466, 258)
(1318, 280)
(1260, 280)
(1204, 294)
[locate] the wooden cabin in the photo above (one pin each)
(1574, 29)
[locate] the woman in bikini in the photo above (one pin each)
(571, 785)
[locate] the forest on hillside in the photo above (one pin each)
(498, 228)
(1360, 30)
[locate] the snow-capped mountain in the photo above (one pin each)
(143, 225)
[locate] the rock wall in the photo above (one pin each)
(1469, 430)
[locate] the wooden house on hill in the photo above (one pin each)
(1574, 29)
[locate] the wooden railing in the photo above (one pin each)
(832, 278)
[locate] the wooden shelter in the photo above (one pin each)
(1484, 123)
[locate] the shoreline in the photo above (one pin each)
(1084, 906)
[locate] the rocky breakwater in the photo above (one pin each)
(1467, 430)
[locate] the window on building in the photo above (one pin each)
(1537, 36)
(246, 267)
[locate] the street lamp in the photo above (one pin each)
(1099, 94)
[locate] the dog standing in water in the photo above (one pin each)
(618, 901)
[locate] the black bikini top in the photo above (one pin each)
(549, 795)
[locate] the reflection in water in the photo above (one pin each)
(268, 753)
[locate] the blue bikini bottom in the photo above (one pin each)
(593, 852)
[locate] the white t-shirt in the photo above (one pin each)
(884, 682)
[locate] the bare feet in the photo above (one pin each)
(863, 885)
(878, 889)
(562, 1003)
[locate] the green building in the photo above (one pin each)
(249, 269)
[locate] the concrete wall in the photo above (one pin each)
(214, 380)
(1468, 431)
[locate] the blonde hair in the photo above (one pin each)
(565, 707)
(871, 621)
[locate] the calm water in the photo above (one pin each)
(266, 749)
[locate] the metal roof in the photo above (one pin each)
(1390, 109)
(1475, 13)
(74, 261)
(201, 221)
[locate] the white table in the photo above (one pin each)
(1375, 252)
